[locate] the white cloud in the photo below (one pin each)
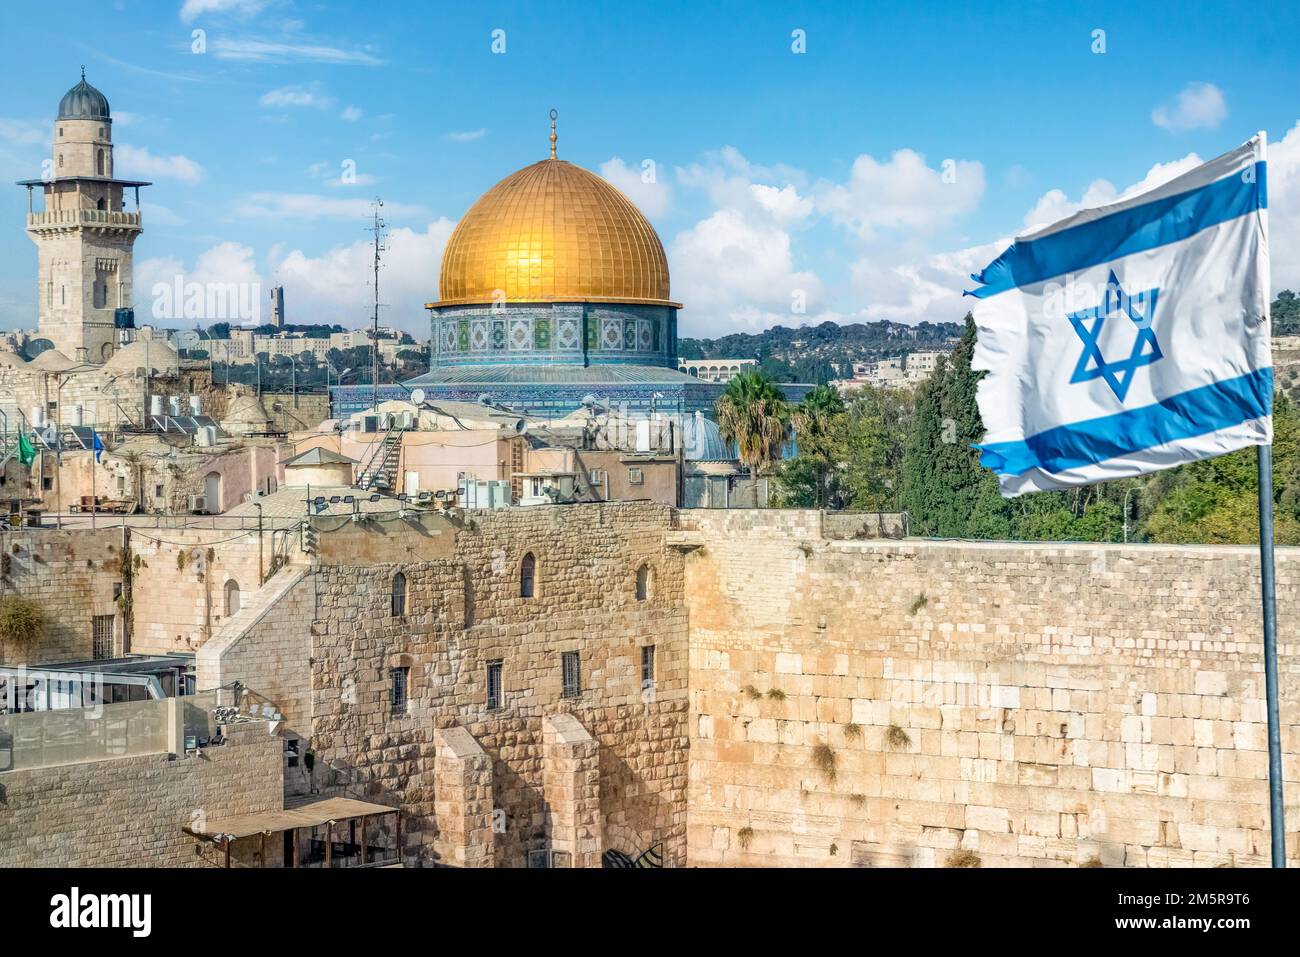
(1284, 210)
(1200, 106)
(652, 197)
(903, 194)
(138, 161)
(23, 132)
(296, 96)
(193, 9)
(911, 285)
(728, 267)
(312, 206)
(467, 136)
(158, 215)
(351, 113)
(223, 265)
(264, 51)
(334, 287)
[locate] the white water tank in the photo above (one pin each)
(78, 415)
(38, 416)
(155, 405)
(196, 407)
(173, 405)
(206, 436)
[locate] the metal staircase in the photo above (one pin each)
(380, 469)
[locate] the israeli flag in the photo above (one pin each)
(1133, 337)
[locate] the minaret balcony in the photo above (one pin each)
(72, 218)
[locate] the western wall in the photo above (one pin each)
(931, 703)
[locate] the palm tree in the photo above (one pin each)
(814, 418)
(752, 412)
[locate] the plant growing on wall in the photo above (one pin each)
(776, 694)
(824, 761)
(962, 858)
(745, 837)
(21, 621)
(897, 738)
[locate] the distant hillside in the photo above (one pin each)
(826, 351)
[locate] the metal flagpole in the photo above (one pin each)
(1269, 595)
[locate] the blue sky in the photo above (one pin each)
(779, 177)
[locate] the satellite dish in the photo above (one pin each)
(485, 399)
(417, 396)
(521, 427)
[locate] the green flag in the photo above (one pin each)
(26, 451)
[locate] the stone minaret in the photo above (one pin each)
(84, 234)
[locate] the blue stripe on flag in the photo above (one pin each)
(1123, 233)
(1195, 412)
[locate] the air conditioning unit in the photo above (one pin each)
(199, 504)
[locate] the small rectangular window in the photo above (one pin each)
(157, 491)
(647, 666)
(493, 685)
(572, 677)
(635, 477)
(101, 636)
(398, 679)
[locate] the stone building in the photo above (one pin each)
(85, 234)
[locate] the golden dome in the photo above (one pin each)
(554, 232)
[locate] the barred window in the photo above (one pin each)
(398, 683)
(647, 666)
(572, 674)
(102, 636)
(494, 699)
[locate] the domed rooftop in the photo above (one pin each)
(554, 232)
(84, 102)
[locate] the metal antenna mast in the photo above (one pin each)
(377, 228)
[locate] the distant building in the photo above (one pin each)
(716, 370)
(277, 306)
(892, 372)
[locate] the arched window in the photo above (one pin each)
(99, 162)
(399, 595)
(643, 583)
(232, 597)
(99, 204)
(528, 576)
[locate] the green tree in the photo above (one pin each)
(817, 421)
(753, 413)
(944, 489)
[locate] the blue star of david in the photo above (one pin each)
(1141, 311)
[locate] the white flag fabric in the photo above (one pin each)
(1132, 337)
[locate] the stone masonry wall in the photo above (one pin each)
(179, 585)
(465, 611)
(72, 576)
(909, 703)
(128, 812)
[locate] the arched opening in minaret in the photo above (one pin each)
(99, 162)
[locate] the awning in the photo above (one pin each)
(309, 814)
